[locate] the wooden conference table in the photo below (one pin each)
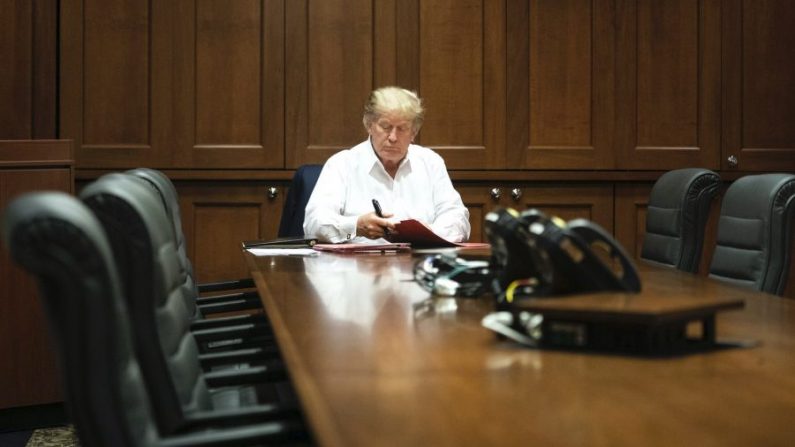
(377, 361)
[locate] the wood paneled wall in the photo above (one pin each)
(546, 97)
(508, 84)
(581, 93)
(28, 83)
(178, 84)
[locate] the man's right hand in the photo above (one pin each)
(372, 227)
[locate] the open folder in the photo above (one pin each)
(420, 236)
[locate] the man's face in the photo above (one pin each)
(391, 137)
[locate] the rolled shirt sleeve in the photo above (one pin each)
(325, 216)
(451, 219)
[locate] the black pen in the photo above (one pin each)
(378, 213)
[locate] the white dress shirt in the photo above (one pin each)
(352, 178)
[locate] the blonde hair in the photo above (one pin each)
(394, 100)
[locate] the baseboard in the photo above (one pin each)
(36, 416)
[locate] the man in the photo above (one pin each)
(407, 180)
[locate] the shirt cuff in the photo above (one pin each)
(349, 227)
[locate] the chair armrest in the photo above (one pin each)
(235, 320)
(236, 296)
(244, 331)
(229, 303)
(232, 306)
(243, 283)
(272, 372)
(258, 434)
(255, 414)
(248, 355)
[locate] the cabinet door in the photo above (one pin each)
(758, 80)
(589, 201)
(332, 50)
(668, 108)
(561, 84)
(28, 44)
(450, 51)
(631, 204)
(479, 200)
(458, 56)
(184, 83)
(218, 216)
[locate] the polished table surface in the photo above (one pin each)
(377, 361)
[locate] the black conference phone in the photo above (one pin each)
(534, 255)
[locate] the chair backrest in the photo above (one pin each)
(61, 243)
(755, 232)
(678, 211)
(143, 242)
(169, 198)
(301, 187)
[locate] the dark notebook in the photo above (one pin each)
(282, 242)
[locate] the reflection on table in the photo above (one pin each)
(355, 289)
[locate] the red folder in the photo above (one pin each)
(420, 236)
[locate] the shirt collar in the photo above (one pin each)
(374, 161)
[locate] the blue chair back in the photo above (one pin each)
(301, 187)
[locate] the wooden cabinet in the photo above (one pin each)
(757, 88)
(668, 101)
(613, 85)
(28, 371)
(561, 84)
(452, 52)
(565, 200)
(530, 84)
(328, 74)
(509, 84)
(181, 84)
(217, 216)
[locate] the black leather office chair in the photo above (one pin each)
(203, 306)
(144, 248)
(58, 240)
(755, 232)
(678, 210)
(301, 187)
(218, 332)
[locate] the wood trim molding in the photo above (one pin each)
(39, 153)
